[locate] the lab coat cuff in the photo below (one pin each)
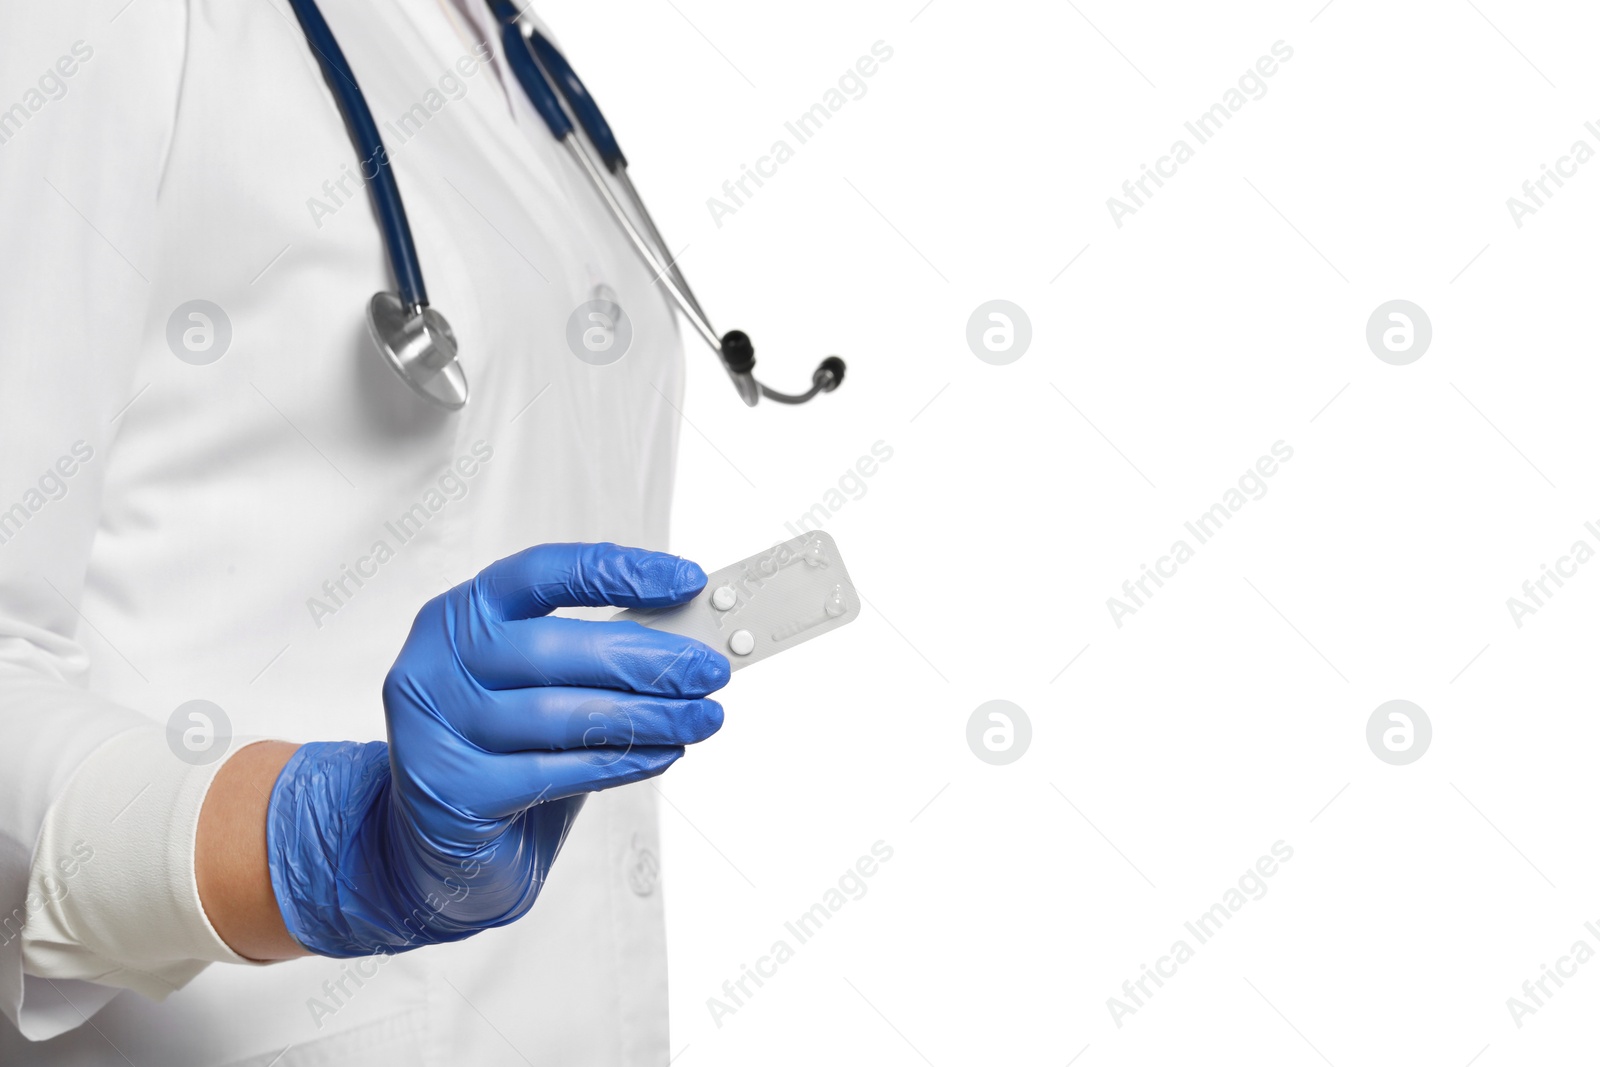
(112, 893)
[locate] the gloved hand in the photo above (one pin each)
(501, 720)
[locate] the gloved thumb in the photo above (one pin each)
(540, 579)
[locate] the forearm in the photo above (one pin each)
(230, 856)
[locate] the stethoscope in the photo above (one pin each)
(415, 339)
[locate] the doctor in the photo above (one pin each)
(236, 551)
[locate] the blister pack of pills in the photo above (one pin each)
(764, 605)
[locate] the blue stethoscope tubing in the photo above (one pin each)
(415, 338)
(364, 132)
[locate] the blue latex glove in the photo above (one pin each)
(501, 720)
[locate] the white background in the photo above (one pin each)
(1230, 712)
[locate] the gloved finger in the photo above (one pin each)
(562, 717)
(599, 655)
(540, 579)
(522, 779)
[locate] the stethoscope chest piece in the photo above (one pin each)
(419, 344)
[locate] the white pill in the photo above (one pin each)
(724, 598)
(742, 642)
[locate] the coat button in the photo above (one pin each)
(643, 868)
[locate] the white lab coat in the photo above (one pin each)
(180, 561)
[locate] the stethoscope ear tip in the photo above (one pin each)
(829, 374)
(738, 354)
(420, 347)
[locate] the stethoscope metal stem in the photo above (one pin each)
(653, 251)
(745, 382)
(636, 202)
(665, 273)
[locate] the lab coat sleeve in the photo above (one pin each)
(86, 113)
(112, 898)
